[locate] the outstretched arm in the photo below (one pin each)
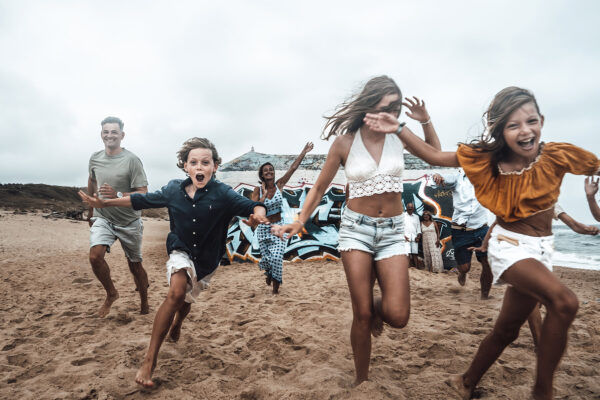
(591, 188)
(281, 182)
(313, 199)
(386, 123)
(418, 111)
(258, 216)
(96, 202)
(577, 226)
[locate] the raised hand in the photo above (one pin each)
(591, 186)
(381, 122)
(308, 147)
(438, 179)
(416, 109)
(94, 202)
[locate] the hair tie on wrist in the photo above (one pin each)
(427, 122)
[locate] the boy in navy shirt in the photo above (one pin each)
(200, 209)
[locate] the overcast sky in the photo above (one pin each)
(263, 73)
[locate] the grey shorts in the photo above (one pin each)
(381, 237)
(103, 232)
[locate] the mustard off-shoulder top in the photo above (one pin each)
(513, 196)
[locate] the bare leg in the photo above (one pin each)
(102, 272)
(531, 282)
(535, 326)
(358, 266)
(162, 322)
(175, 331)
(463, 269)
(392, 275)
(141, 282)
(276, 285)
(486, 277)
(516, 307)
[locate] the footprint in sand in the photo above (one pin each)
(83, 361)
(18, 359)
(82, 280)
(122, 319)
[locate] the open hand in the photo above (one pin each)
(381, 122)
(94, 202)
(438, 179)
(416, 109)
(308, 147)
(591, 186)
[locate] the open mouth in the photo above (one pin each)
(526, 144)
(199, 178)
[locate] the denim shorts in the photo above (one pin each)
(381, 237)
(462, 240)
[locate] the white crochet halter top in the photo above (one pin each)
(365, 177)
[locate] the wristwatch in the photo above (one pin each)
(119, 195)
(400, 126)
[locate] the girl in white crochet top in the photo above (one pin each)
(371, 241)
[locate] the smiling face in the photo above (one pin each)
(410, 208)
(200, 166)
(268, 173)
(112, 136)
(522, 132)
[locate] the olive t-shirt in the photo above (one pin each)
(124, 172)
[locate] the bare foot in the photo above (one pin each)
(457, 383)
(105, 309)
(485, 296)
(376, 320)
(268, 280)
(144, 376)
(276, 287)
(145, 308)
(359, 381)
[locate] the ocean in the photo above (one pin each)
(574, 250)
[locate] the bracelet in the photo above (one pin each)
(400, 126)
(427, 122)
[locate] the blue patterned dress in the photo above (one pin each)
(271, 247)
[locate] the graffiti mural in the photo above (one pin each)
(319, 237)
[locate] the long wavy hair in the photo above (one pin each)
(495, 118)
(348, 117)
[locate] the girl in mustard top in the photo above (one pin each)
(518, 178)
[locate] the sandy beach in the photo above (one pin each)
(242, 342)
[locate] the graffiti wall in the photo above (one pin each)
(319, 237)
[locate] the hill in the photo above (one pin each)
(55, 201)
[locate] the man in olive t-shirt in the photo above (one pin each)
(116, 172)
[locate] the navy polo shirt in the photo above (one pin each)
(198, 225)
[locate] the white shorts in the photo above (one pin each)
(505, 248)
(412, 247)
(180, 260)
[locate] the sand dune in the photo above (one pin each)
(243, 342)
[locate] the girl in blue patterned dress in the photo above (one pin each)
(272, 248)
